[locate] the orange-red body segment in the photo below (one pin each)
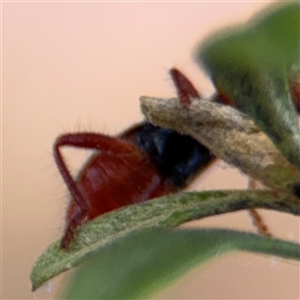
(111, 180)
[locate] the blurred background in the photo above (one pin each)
(74, 66)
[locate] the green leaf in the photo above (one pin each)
(251, 65)
(166, 212)
(142, 264)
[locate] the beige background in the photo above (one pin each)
(83, 66)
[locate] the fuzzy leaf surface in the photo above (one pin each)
(165, 212)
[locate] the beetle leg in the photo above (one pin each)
(257, 219)
(88, 141)
(185, 89)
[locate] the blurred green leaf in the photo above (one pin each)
(144, 263)
(165, 212)
(251, 65)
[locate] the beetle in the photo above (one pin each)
(141, 163)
